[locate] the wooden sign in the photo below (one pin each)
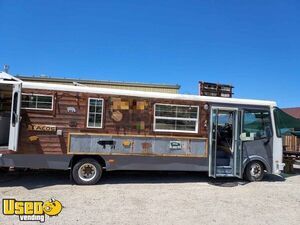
(44, 128)
(117, 116)
(71, 109)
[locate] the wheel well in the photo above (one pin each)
(76, 158)
(255, 160)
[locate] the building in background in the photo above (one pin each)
(164, 88)
(294, 112)
(292, 142)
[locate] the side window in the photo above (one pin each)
(37, 102)
(176, 118)
(257, 122)
(95, 113)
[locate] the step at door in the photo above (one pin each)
(224, 171)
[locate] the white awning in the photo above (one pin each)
(7, 77)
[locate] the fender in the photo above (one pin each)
(256, 158)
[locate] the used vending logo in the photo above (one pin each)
(31, 210)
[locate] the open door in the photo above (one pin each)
(15, 118)
(238, 147)
(225, 153)
(10, 106)
(213, 142)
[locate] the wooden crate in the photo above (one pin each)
(215, 90)
(291, 143)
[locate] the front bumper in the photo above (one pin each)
(279, 167)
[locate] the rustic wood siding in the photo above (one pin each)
(291, 143)
(51, 143)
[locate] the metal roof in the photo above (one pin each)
(95, 82)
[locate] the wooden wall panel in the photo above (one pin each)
(291, 143)
(51, 143)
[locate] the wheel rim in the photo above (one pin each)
(255, 170)
(87, 172)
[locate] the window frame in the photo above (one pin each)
(176, 118)
(88, 113)
(278, 132)
(39, 109)
(258, 110)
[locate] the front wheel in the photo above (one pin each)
(87, 171)
(254, 171)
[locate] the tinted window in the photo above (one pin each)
(257, 122)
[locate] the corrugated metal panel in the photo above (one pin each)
(128, 145)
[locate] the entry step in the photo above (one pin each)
(223, 171)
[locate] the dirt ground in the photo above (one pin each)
(158, 198)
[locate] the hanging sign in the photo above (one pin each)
(44, 128)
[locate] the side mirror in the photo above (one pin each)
(268, 132)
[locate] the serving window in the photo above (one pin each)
(176, 118)
(37, 102)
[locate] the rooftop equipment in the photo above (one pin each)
(215, 90)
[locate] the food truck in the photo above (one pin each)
(88, 130)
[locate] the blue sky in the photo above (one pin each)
(253, 45)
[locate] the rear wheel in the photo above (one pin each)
(87, 171)
(254, 171)
(4, 169)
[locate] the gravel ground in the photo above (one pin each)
(158, 198)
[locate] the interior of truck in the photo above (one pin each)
(5, 113)
(224, 149)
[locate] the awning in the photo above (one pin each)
(296, 133)
(286, 124)
(7, 77)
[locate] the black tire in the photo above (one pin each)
(87, 171)
(255, 171)
(4, 170)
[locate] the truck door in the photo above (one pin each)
(257, 136)
(15, 118)
(237, 170)
(224, 149)
(213, 142)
